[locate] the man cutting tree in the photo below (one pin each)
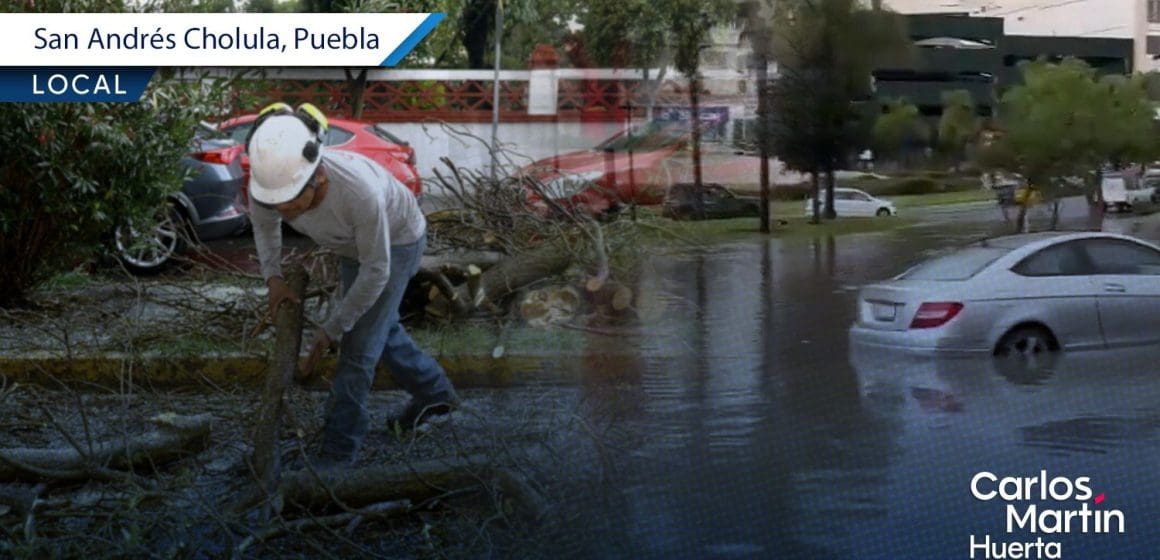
(349, 204)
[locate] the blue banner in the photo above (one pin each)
(71, 85)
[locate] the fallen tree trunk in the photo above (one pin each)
(176, 437)
(266, 458)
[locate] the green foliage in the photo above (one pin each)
(72, 171)
(465, 39)
(1128, 134)
(1064, 123)
(623, 33)
(187, 6)
(689, 23)
(826, 51)
(915, 185)
(428, 95)
(899, 126)
(959, 125)
(636, 33)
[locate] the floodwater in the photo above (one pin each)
(752, 429)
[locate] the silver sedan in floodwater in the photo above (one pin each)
(1021, 294)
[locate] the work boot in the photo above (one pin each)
(418, 412)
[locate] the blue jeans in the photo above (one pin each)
(376, 336)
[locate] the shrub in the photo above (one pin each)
(917, 185)
(74, 170)
(791, 192)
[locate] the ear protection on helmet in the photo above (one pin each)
(318, 124)
(313, 118)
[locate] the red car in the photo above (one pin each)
(608, 175)
(604, 177)
(371, 140)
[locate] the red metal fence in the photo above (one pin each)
(466, 100)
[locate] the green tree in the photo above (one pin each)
(958, 126)
(1129, 135)
(645, 34)
(74, 171)
(755, 18)
(899, 128)
(690, 22)
(1062, 125)
(826, 50)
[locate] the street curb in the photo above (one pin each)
(167, 372)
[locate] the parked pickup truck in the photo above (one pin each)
(1123, 195)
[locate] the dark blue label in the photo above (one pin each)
(71, 85)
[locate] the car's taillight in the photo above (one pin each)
(223, 156)
(935, 314)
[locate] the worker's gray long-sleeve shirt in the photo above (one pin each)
(365, 211)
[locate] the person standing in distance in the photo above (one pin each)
(351, 205)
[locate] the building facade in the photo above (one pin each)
(1135, 20)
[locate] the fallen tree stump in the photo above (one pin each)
(175, 437)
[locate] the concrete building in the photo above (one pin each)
(979, 55)
(1138, 20)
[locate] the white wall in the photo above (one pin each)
(467, 144)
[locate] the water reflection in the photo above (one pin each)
(751, 430)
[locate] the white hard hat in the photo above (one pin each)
(284, 153)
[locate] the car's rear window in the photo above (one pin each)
(959, 265)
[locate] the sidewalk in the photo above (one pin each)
(184, 333)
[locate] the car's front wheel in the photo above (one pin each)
(882, 212)
(149, 246)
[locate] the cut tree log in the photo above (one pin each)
(550, 305)
(612, 299)
(175, 437)
(266, 458)
(511, 274)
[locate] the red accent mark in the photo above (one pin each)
(1099, 499)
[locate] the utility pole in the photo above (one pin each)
(495, 93)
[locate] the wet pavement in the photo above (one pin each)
(744, 425)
